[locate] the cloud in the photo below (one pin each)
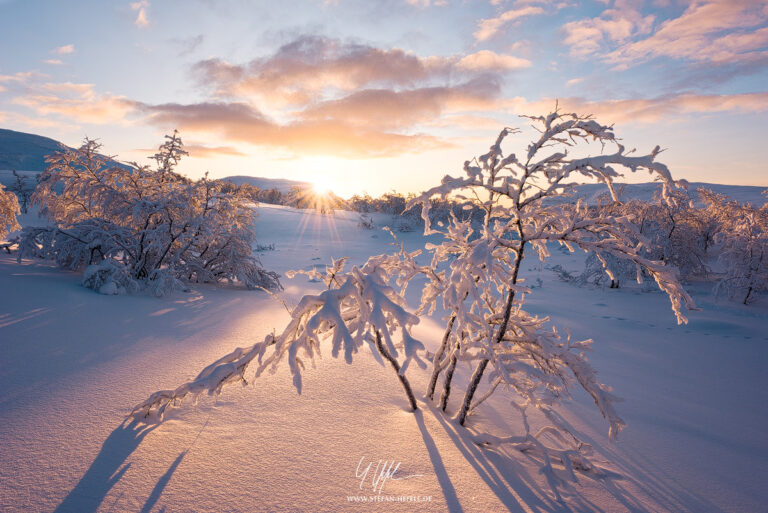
(64, 50)
(141, 6)
(617, 24)
(650, 110)
(311, 69)
(719, 32)
(75, 102)
(239, 122)
(488, 28)
(388, 109)
(53, 62)
(486, 60)
(187, 45)
(574, 81)
(197, 150)
(302, 69)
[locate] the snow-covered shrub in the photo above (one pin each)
(474, 272)
(358, 309)
(9, 209)
(157, 228)
(669, 229)
(743, 240)
(481, 287)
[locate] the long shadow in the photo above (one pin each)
(449, 492)
(157, 491)
(106, 469)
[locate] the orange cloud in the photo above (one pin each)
(389, 109)
(76, 102)
(240, 122)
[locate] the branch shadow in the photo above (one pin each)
(449, 492)
(518, 490)
(106, 469)
(157, 491)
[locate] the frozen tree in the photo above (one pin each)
(135, 228)
(23, 188)
(358, 309)
(670, 229)
(474, 273)
(744, 246)
(9, 209)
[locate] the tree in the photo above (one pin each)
(23, 188)
(359, 308)
(9, 209)
(744, 246)
(134, 228)
(474, 272)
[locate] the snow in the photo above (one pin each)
(73, 363)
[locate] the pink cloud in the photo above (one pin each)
(301, 70)
(486, 60)
(488, 28)
(721, 32)
(649, 110)
(64, 50)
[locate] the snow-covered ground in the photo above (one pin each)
(73, 363)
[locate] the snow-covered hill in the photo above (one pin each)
(23, 151)
(282, 184)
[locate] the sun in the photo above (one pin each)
(322, 185)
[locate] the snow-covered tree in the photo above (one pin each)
(22, 187)
(132, 227)
(743, 238)
(359, 308)
(670, 229)
(9, 209)
(482, 290)
(474, 273)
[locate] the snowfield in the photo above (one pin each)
(73, 363)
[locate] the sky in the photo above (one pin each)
(374, 96)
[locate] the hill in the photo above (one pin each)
(22, 151)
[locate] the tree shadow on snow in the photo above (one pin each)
(507, 474)
(106, 470)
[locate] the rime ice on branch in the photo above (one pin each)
(482, 291)
(474, 271)
(359, 308)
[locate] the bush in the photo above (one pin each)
(132, 227)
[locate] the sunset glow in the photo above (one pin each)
(388, 96)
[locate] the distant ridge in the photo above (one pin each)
(282, 184)
(25, 152)
(645, 191)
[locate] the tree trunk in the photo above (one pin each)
(447, 385)
(478, 374)
(396, 366)
(439, 356)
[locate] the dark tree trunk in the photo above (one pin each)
(396, 366)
